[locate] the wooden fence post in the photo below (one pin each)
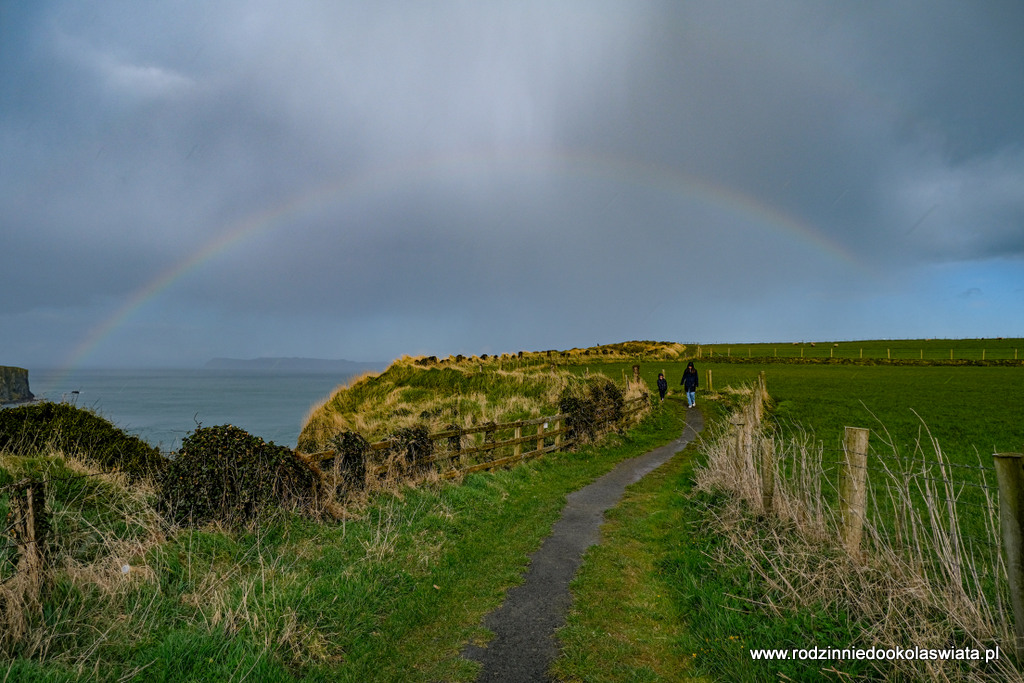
(852, 487)
(710, 385)
(540, 437)
(1010, 473)
(558, 436)
(750, 424)
(518, 448)
(767, 474)
(759, 398)
(736, 446)
(30, 525)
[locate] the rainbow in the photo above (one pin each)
(386, 179)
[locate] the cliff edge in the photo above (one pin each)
(14, 385)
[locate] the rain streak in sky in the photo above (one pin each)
(186, 180)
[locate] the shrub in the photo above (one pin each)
(412, 446)
(29, 429)
(581, 414)
(350, 462)
(225, 474)
(589, 406)
(608, 399)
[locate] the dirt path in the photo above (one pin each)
(524, 644)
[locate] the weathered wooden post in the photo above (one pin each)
(750, 424)
(1010, 473)
(767, 473)
(540, 437)
(518, 448)
(853, 487)
(636, 374)
(736, 445)
(558, 436)
(760, 397)
(30, 525)
(710, 386)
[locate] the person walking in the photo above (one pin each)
(690, 382)
(662, 385)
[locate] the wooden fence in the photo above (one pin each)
(943, 487)
(456, 452)
(460, 451)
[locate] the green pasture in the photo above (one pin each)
(972, 411)
(969, 411)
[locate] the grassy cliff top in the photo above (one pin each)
(460, 390)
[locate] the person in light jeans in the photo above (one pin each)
(690, 382)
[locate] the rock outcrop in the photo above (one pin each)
(14, 385)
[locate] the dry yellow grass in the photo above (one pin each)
(436, 395)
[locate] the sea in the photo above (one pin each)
(162, 406)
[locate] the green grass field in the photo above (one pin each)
(973, 411)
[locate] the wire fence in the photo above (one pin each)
(979, 496)
(902, 507)
(1008, 351)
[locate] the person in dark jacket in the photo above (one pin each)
(662, 385)
(690, 382)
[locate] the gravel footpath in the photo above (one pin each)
(524, 644)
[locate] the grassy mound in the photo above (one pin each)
(30, 429)
(408, 394)
(462, 392)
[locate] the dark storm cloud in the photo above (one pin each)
(457, 176)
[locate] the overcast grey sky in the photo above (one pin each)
(185, 180)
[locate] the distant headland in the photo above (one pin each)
(295, 365)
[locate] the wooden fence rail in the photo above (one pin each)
(549, 427)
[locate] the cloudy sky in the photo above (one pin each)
(184, 180)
